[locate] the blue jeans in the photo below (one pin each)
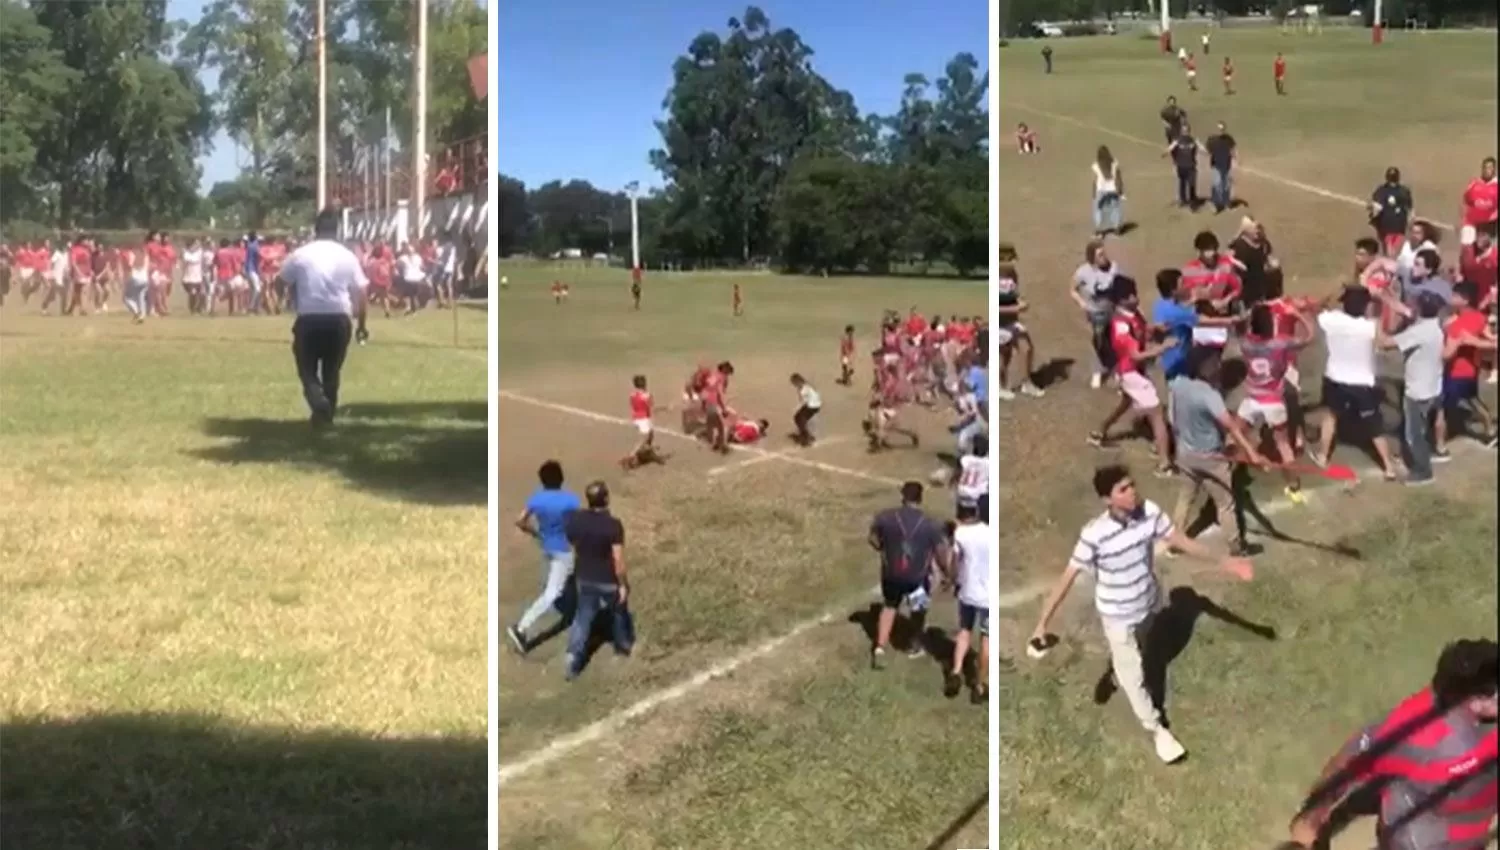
(1104, 351)
(1221, 192)
(1187, 186)
(1418, 433)
(135, 297)
(1107, 212)
(559, 567)
(254, 280)
(593, 600)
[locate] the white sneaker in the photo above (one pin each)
(1168, 748)
(1004, 394)
(1096, 380)
(1032, 390)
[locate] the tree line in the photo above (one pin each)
(764, 160)
(109, 105)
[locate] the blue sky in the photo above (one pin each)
(219, 163)
(581, 81)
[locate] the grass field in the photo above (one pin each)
(219, 630)
(1258, 718)
(801, 745)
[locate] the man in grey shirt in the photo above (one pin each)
(1421, 344)
(1091, 286)
(1202, 421)
(1427, 279)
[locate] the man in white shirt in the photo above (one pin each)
(326, 286)
(971, 554)
(1351, 396)
(447, 266)
(413, 278)
(973, 483)
(1117, 549)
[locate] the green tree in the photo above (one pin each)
(33, 83)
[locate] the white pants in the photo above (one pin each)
(1130, 669)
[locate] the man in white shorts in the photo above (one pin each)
(1269, 372)
(1138, 396)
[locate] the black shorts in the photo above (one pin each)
(804, 415)
(894, 590)
(1353, 406)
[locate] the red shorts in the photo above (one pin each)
(1393, 242)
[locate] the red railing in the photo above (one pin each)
(459, 168)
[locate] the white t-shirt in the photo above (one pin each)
(192, 266)
(810, 398)
(59, 265)
(325, 277)
(1106, 184)
(448, 258)
(971, 548)
(973, 478)
(1407, 257)
(1351, 348)
(411, 268)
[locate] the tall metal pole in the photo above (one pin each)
(633, 189)
(419, 123)
(322, 105)
(385, 153)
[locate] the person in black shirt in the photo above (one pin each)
(1260, 271)
(1183, 149)
(598, 540)
(1173, 118)
(1221, 159)
(1047, 56)
(1390, 211)
(910, 544)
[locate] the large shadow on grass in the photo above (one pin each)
(169, 781)
(432, 453)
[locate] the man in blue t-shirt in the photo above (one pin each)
(546, 519)
(252, 269)
(1177, 318)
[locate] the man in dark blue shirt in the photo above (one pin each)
(910, 544)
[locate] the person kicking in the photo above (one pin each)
(642, 407)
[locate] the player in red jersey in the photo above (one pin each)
(1432, 761)
(1127, 336)
(1278, 72)
(1481, 199)
(891, 394)
(81, 274)
(706, 407)
(1269, 357)
(1377, 274)
(272, 256)
(743, 431)
(641, 408)
(916, 323)
(846, 356)
(1228, 73)
(1190, 65)
(1466, 339)
(557, 292)
(1477, 263)
(1212, 275)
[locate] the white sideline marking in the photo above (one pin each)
(1264, 175)
(759, 453)
(730, 467)
(607, 726)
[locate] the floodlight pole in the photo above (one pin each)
(419, 124)
(633, 189)
(1377, 24)
(322, 105)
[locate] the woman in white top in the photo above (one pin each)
(192, 278)
(138, 285)
(1109, 193)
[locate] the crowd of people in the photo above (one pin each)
(84, 274)
(934, 364)
(1411, 309)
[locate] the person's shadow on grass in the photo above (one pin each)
(188, 781)
(432, 452)
(1168, 635)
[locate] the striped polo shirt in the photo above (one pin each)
(1120, 556)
